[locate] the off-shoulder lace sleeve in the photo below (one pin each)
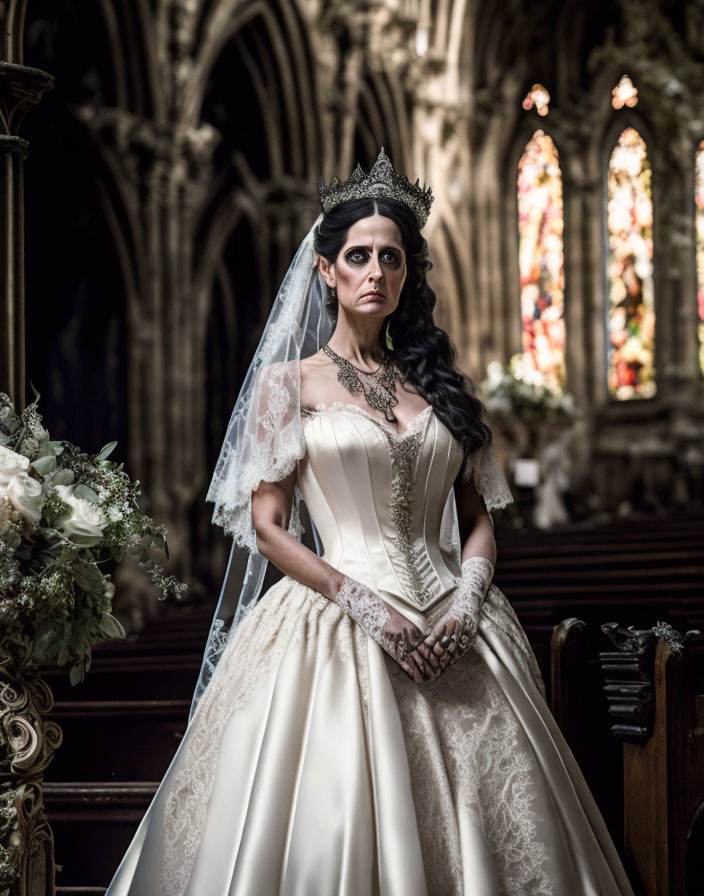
(483, 467)
(267, 442)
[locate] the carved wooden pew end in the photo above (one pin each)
(654, 683)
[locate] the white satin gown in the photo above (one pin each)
(314, 765)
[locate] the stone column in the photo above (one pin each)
(27, 741)
(20, 89)
(162, 170)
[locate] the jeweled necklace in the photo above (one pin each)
(377, 386)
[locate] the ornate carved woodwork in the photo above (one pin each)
(27, 744)
(655, 685)
(628, 681)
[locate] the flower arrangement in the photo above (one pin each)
(519, 394)
(63, 514)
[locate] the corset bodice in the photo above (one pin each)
(377, 499)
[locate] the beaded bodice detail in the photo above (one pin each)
(377, 496)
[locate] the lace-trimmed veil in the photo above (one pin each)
(264, 440)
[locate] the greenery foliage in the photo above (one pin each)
(63, 515)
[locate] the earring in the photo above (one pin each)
(333, 292)
(389, 341)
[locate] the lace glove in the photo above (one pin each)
(455, 631)
(392, 631)
(477, 573)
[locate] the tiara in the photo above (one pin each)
(382, 180)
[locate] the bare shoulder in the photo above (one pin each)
(317, 375)
(318, 361)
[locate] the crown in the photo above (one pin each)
(382, 180)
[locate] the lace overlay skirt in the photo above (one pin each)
(314, 765)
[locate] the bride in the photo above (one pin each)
(375, 721)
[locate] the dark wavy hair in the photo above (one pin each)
(423, 350)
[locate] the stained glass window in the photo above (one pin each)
(541, 261)
(538, 97)
(631, 310)
(624, 94)
(699, 198)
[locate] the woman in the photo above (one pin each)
(375, 723)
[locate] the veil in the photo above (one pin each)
(264, 440)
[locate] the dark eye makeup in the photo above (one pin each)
(360, 254)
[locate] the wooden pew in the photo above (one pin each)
(580, 708)
(632, 710)
(658, 713)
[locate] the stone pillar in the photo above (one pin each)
(27, 741)
(20, 89)
(162, 171)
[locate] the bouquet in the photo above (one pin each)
(63, 515)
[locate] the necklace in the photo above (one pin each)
(377, 386)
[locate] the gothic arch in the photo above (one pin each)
(279, 67)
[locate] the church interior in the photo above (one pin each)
(160, 165)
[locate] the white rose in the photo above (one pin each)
(11, 464)
(27, 496)
(85, 524)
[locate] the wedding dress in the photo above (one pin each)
(313, 765)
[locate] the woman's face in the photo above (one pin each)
(370, 269)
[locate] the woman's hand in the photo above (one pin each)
(448, 640)
(454, 633)
(400, 639)
(389, 628)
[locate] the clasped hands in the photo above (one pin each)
(423, 658)
(454, 633)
